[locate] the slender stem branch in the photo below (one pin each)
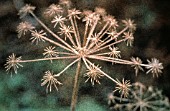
(108, 28)
(85, 33)
(102, 32)
(76, 27)
(67, 67)
(108, 59)
(106, 53)
(91, 32)
(75, 32)
(76, 86)
(65, 53)
(71, 39)
(45, 59)
(85, 62)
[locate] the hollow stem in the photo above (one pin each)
(76, 87)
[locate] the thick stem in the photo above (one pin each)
(76, 87)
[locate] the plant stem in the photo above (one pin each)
(76, 86)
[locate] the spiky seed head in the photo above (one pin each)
(24, 27)
(26, 10)
(123, 87)
(53, 10)
(38, 36)
(93, 75)
(154, 66)
(50, 79)
(12, 63)
(137, 64)
(100, 11)
(130, 24)
(129, 38)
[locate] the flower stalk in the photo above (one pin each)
(76, 86)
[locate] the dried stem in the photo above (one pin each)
(76, 86)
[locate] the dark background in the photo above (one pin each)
(23, 91)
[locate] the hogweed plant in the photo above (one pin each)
(141, 98)
(98, 41)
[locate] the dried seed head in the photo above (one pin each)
(38, 36)
(100, 11)
(50, 52)
(136, 64)
(66, 31)
(123, 87)
(26, 10)
(58, 20)
(12, 63)
(93, 74)
(50, 80)
(66, 3)
(24, 27)
(129, 38)
(155, 67)
(53, 10)
(115, 53)
(130, 24)
(74, 13)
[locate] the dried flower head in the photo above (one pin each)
(24, 27)
(74, 13)
(50, 80)
(65, 3)
(66, 30)
(136, 64)
(58, 20)
(114, 52)
(38, 36)
(123, 87)
(129, 38)
(50, 52)
(154, 67)
(12, 63)
(26, 10)
(110, 98)
(100, 11)
(90, 17)
(53, 10)
(130, 24)
(93, 75)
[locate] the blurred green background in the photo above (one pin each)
(22, 91)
